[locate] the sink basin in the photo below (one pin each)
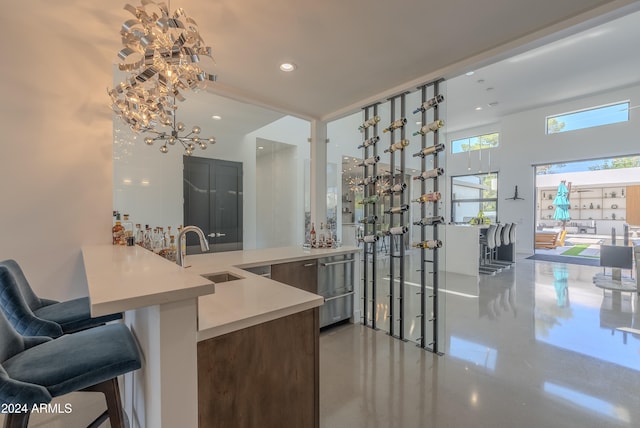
(221, 277)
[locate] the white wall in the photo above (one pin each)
(55, 154)
(523, 143)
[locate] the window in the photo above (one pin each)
(479, 142)
(471, 194)
(588, 118)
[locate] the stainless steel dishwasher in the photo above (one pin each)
(335, 284)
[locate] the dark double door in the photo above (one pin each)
(213, 202)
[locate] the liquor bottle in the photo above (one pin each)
(430, 103)
(395, 125)
(397, 210)
(431, 127)
(398, 230)
(432, 173)
(370, 239)
(397, 146)
(128, 228)
(428, 197)
(429, 150)
(117, 232)
(396, 188)
(329, 236)
(430, 245)
(371, 161)
(368, 180)
(312, 235)
(369, 220)
(369, 142)
(139, 234)
(369, 122)
(427, 221)
(321, 240)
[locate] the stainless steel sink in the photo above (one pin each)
(221, 277)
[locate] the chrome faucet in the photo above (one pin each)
(204, 245)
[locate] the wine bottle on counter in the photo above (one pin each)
(428, 197)
(369, 180)
(397, 146)
(431, 127)
(312, 235)
(369, 122)
(397, 210)
(395, 125)
(321, 236)
(396, 188)
(430, 245)
(369, 142)
(429, 150)
(369, 220)
(371, 161)
(430, 103)
(398, 230)
(370, 239)
(428, 221)
(432, 173)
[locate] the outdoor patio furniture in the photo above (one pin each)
(547, 240)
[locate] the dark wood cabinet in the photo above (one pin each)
(265, 376)
(302, 274)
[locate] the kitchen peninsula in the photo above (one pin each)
(207, 354)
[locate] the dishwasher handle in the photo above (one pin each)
(340, 262)
(328, 299)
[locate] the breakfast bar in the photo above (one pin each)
(209, 346)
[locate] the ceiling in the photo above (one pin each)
(353, 53)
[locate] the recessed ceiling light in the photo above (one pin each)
(260, 148)
(216, 117)
(287, 66)
(469, 73)
(478, 108)
(418, 123)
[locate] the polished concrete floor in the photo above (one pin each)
(537, 345)
(533, 346)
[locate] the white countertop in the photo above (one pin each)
(254, 299)
(122, 278)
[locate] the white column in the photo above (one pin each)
(318, 151)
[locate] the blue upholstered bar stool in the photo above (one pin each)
(33, 370)
(34, 316)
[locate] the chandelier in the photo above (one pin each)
(189, 141)
(161, 52)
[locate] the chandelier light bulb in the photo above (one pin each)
(191, 146)
(172, 140)
(196, 129)
(203, 146)
(148, 141)
(180, 126)
(212, 140)
(196, 139)
(188, 152)
(164, 149)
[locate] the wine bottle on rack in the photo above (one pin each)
(430, 245)
(430, 103)
(371, 161)
(398, 230)
(431, 127)
(370, 239)
(397, 210)
(368, 180)
(369, 142)
(432, 173)
(395, 125)
(429, 150)
(370, 200)
(312, 235)
(397, 146)
(429, 221)
(369, 220)
(396, 188)
(428, 197)
(369, 122)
